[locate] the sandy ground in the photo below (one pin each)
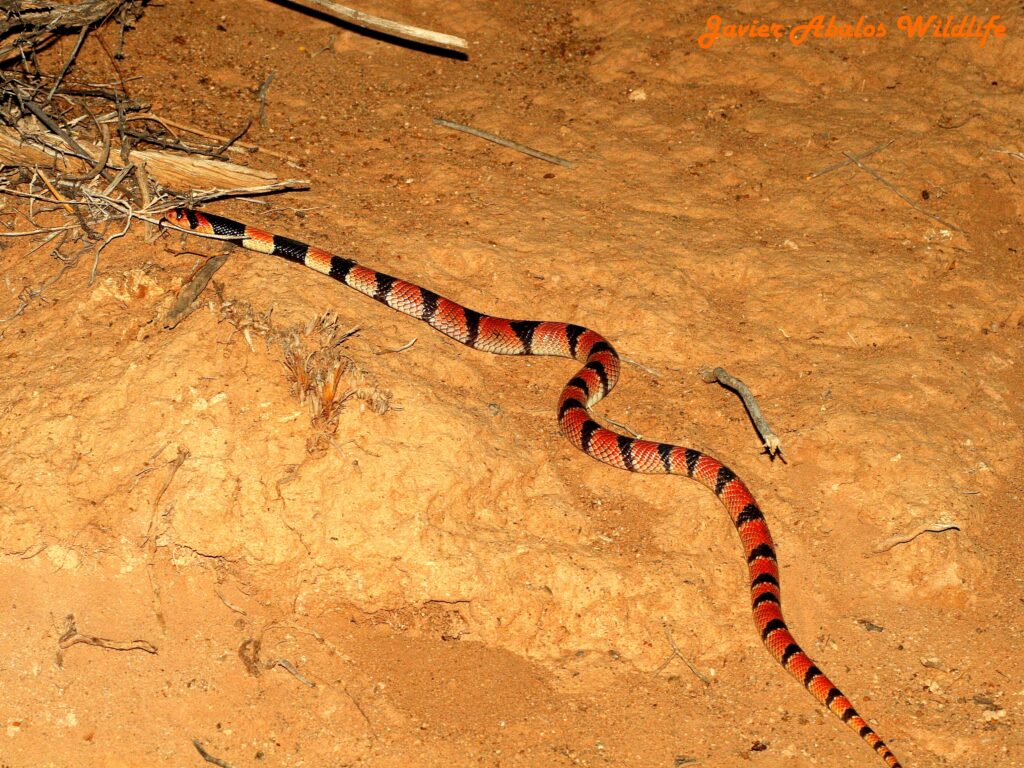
(450, 583)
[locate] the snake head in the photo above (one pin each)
(179, 217)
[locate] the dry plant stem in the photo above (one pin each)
(290, 668)
(106, 202)
(359, 707)
(229, 143)
(94, 199)
(142, 181)
(643, 368)
(237, 146)
(906, 538)
(407, 345)
(676, 654)
(505, 142)
(771, 441)
(69, 62)
(116, 181)
(29, 295)
(40, 231)
(261, 95)
(397, 29)
(176, 143)
(53, 191)
(208, 757)
(228, 603)
(623, 427)
(100, 164)
(175, 465)
(322, 375)
(43, 17)
(848, 161)
(176, 172)
(186, 302)
(905, 198)
(55, 129)
(73, 210)
(72, 637)
(106, 242)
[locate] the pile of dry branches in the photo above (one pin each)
(81, 160)
(90, 151)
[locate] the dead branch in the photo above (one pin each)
(235, 146)
(72, 637)
(37, 22)
(848, 161)
(504, 142)
(188, 296)
(676, 654)
(288, 667)
(208, 757)
(174, 171)
(906, 538)
(393, 28)
(771, 442)
(893, 188)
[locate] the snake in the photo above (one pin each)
(590, 384)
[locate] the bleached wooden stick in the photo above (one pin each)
(404, 31)
(175, 171)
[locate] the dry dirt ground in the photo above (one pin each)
(451, 583)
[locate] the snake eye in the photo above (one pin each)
(173, 217)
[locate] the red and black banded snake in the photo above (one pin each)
(591, 383)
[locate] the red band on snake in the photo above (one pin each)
(591, 383)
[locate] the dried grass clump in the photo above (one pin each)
(322, 375)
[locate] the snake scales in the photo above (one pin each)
(591, 383)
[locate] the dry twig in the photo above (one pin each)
(30, 294)
(676, 654)
(1010, 152)
(72, 637)
(848, 161)
(905, 538)
(505, 142)
(174, 171)
(892, 187)
(771, 442)
(644, 368)
(151, 534)
(208, 757)
(290, 669)
(188, 296)
(232, 146)
(394, 28)
(26, 25)
(407, 345)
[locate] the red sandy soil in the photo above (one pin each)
(458, 584)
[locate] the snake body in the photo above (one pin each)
(591, 383)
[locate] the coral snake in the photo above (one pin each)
(591, 383)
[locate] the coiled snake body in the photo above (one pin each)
(591, 383)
